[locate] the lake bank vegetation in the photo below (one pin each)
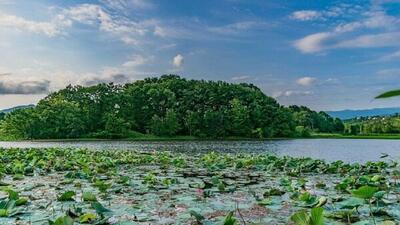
(168, 106)
(373, 125)
(78, 186)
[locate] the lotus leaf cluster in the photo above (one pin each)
(127, 187)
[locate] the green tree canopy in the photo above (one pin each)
(164, 106)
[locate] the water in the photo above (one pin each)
(348, 150)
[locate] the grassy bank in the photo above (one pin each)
(149, 138)
(146, 137)
(366, 136)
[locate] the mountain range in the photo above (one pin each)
(16, 107)
(352, 113)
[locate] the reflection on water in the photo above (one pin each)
(349, 150)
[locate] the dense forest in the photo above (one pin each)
(313, 121)
(373, 125)
(166, 106)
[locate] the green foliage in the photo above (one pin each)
(89, 197)
(302, 131)
(2, 115)
(230, 219)
(167, 126)
(308, 121)
(316, 217)
(99, 208)
(199, 218)
(373, 125)
(66, 196)
(351, 203)
(165, 106)
(87, 218)
(64, 220)
(389, 94)
(199, 180)
(365, 192)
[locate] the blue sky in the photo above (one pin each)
(327, 55)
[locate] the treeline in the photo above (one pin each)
(373, 125)
(309, 121)
(165, 106)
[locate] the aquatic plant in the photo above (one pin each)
(91, 186)
(315, 217)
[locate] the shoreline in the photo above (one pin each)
(189, 138)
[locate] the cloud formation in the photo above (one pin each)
(237, 28)
(392, 72)
(177, 61)
(9, 85)
(306, 81)
(49, 29)
(127, 29)
(313, 43)
(110, 78)
(240, 78)
(306, 15)
(290, 93)
(136, 60)
(375, 29)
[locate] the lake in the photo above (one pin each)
(349, 150)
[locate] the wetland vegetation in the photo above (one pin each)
(80, 186)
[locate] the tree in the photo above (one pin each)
(171, 122)
(165, 126)
(115, 126)
(164, 106)
(2, 115)
(240, 118)
(316, 121)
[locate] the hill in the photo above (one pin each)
(17, 107)
(350, 114)
(166, 106)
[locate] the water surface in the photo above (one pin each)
(349, 150)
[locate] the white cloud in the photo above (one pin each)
(129, 40)
(334, 11)
(27, 85)
(167, 46)
(393, 72)
(144, 4)
(314, 42)
(306, 15)
(347, 27)
(240, 78)
(323, 41)
(372, 41)
(94, 79)
(330, 81)
(306, 81)
(94, 14)
(391, 56)
(159, 31)
(136, 60)
(128, 4)
(128, 30)
(383, 32)
(49, 29)
(290, 93)
(237, 28)
(177, 61)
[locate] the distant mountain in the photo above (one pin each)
(349, 114)
(17, 107)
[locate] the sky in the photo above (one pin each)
(327, 55)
